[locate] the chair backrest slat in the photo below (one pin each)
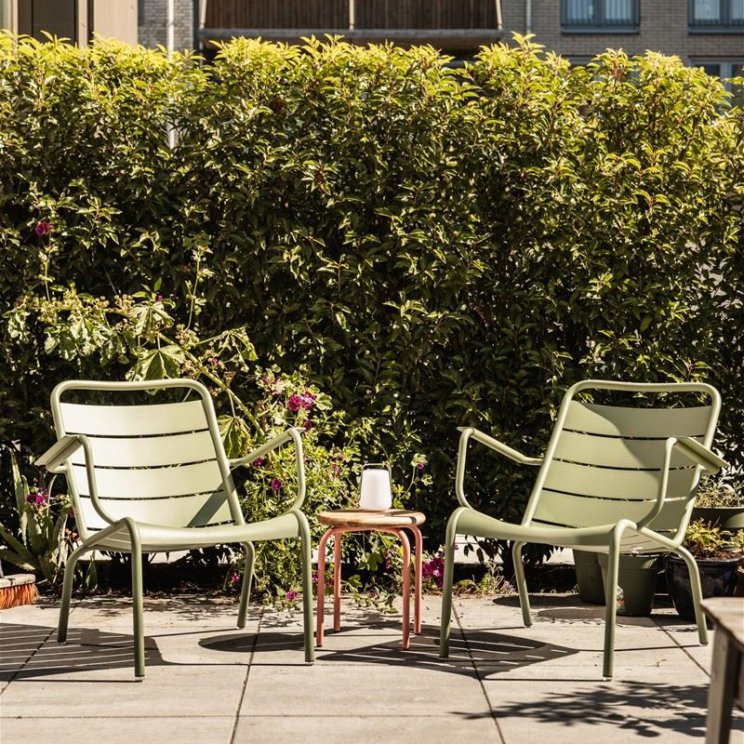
(141, 452)
(186, 511)
(613, 452)
(132, 421)
(637, 422)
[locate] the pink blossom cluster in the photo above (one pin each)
(38, 497)
(433, 569)
(298, 402)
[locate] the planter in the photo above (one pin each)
(725, 517)
(718, 578)
(589, 577)
(637, 582)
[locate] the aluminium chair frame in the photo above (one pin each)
(605, 538)
(291, 524)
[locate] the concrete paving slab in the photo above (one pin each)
(363, 729)
(119, 730)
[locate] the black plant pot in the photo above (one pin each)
(717, 578)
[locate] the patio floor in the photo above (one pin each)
(208, 682)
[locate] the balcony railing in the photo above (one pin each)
(450, 23)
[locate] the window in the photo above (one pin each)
(725, 69)
(619, 16)
(717, 15)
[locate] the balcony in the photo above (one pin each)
(452, 25)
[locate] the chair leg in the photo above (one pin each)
(613, 569)
(697, 594)
(524, 597)
(449, 573)
(139, 628)
(64, 610)
(245, 591)
(307, 587)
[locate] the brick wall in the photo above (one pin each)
(152, 20)
(663, 28)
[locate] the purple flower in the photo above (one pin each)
(158, 297)
(420, 466)
(290, 596)
(276, 485)
(433, 569)
(294, 403)
(42, 228)
(258, 462)
(307, 424)
(234, 578)
(38, 497)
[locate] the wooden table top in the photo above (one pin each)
(367, 519)
(728, 615)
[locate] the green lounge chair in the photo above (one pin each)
(614, 479)
(154, 477)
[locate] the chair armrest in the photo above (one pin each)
(697, 453)
(467, 433)
(500, 447)
(294, 435)
(56, 456)
(700, 454)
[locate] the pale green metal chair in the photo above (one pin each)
(614, 479)
(154, 477)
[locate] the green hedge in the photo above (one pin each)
(437, 246)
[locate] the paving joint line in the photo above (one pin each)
(682, 648)
(478, 677)
(236, 720)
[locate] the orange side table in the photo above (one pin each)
(395, 521)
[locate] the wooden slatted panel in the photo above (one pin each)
(132, 421)
(615, 452)
(151, 483)
(637, 422)
(149, 451)
(334, 14)
(187, 511)
(579, 511)
(607, 483)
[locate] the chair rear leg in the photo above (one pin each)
(139, 628)
(449, 573)
(524, 597)
(307, 588)
(64, 609)
(697, 594)
(613, 569)
(245, 590)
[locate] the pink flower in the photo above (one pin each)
(420, 466)
(234, 578)
(258, 462)
(276, 485)
(307, 424)
(297, 402)
(42, 228)
(38, 497)
(433, 569)
(290, 596)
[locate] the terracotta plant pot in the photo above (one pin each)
(718, 577)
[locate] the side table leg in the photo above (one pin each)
(417, 578)
(337, 536)
(321, 586)
(406, 588)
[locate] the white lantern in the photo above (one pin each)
(376, 489)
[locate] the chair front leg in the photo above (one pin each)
(307, 586)
(138, 613)
(613, 571)
(69, 576)
(524, 597)
(245, 591)
(697, 593)
(449, 573)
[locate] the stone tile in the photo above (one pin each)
(369, 689)
(165, 691)
(119, 730)
(366, 729)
